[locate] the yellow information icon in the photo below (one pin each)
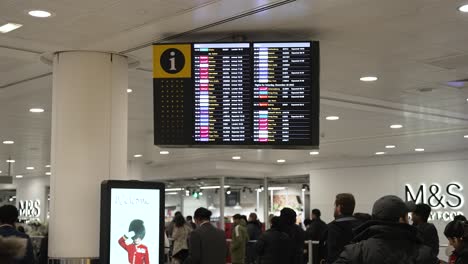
(172, 61)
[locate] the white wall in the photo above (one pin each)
(368, 183)
(33, 188)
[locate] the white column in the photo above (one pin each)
(89, 145)
(265, 201)
(222, 202)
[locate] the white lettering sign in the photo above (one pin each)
(29, 209)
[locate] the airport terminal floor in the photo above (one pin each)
(243, 132)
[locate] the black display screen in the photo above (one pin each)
(258, 95)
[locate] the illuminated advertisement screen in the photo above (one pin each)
(132, 222)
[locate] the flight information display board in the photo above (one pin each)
(257, 95)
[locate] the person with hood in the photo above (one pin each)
(296, 235)
(240, 237)
(254, 229)
(340, 231)
(11, 237)
(11, 249)
(428, 231)
(273, 246)
(388, 238)
(457, 235)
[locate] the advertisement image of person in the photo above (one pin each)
(137, 252)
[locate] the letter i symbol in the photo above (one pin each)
(172, 59)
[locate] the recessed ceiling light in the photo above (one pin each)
(39, 13)
(30, 168)
(419, 149)
(19, 176)
(10, 161)
(47, 166)
(9, 27)
(332, 118)
(48, 173)
(380, 153)
(36, 110)
(465, 136)
(0, 171)
(236, 158)
(164, 152)
(137, 155)
(396, 126)
(129, 90)
(281, 161)
(8, 142)
(390, 146)
(314, 153)
(368, 79)
(463, 8)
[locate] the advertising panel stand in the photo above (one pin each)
(132, 222)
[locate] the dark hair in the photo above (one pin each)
(237, 217)
(253, 215)
(275, 222)
(202, 214)
(363, 217)
(288, 217)
(346, 202)
(459, 218)
(137, 226)
(456, 229)
(8, 214)
(307, 222)
(189, 218)
(179, 220)
(177, 213)
(245, 218)
(317, 213)
(423, 211)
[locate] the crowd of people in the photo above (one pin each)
(384, 236)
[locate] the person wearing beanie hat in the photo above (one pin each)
(388, 238)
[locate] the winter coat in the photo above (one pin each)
(429, 236)
(255, 230)
(461, 257)
(316, 230)
(7, 231)
(297, 237)
(207, 246)
(239, 242)
(11, 248)
(339, 234)
(387, 243)
(180, 236)
(273, 247)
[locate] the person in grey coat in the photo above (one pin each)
(207, 244)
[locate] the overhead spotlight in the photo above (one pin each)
(39, 13)
(200, 193)
(36, 110)
(368, 79)
(228, 191)
(138, 155)
(419, 149)
(314, 153)
(10, 161)
(396, 126)
(163, 152)
(129, 90)
(463, 8)
(332, 118)
(380, 153)
(8, 142)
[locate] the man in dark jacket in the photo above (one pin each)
(295, 233)
(388, 238)
(8, 218)
(427, 231)
(340, 232)
(317, 227)
(273, 246)
(254, 228)
(207, 243)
